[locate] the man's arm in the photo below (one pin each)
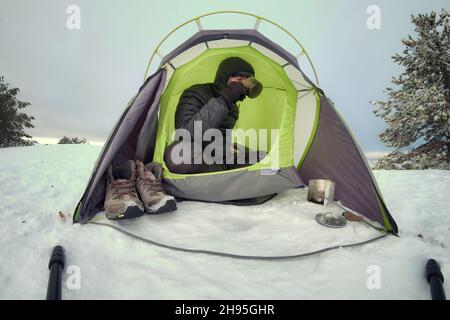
(191, 109)
(212, 114)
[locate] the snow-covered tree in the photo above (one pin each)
(66, 140)
(417, 110)
(12, 121)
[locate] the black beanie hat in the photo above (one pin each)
(230, 67)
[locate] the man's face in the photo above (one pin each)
(236, 79)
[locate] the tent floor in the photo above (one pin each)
(284, 225)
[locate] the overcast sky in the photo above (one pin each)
(79, 81)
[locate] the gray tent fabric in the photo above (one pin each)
(147, 138)
(335, 155)
(120, 147)
(250, 35)
(234, 185)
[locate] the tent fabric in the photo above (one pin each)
(279, 99)
(321, 144)
(248, 35)
(147, 138)
(206, 39)
(121, 146)
(306, 120)
(307, 110)
(234, 184)
(335, 155)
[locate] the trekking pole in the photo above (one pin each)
(56, 266)
(435, 278)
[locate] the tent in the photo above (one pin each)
(310, 140)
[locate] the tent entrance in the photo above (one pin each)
(270, 115)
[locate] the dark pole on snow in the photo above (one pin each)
(56, 266)
(435, 278)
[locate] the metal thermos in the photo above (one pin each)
(321, 191)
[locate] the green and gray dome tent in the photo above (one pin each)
(308, 139)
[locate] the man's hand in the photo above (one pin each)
(234, 92)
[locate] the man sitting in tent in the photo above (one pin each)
(209, 106)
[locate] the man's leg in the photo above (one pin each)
(194, 162)
(244, 157)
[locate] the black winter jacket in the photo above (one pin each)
(203, 102)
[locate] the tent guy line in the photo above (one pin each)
(231, 255)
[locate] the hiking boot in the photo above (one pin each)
(150, 189)
(121, 200)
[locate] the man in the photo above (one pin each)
(214, 106)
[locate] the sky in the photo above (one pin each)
(79, 81)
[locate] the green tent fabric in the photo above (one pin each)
(278, 99)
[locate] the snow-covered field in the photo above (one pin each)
(38, 182)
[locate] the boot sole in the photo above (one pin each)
(169, 206)
(130, 213)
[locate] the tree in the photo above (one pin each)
(417, 110)
(66, 140)
(12, 121)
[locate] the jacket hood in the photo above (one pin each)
(229, 67)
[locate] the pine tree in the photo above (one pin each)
(67, 140)
(12, 121)
(417, 110)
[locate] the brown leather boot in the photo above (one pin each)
(121, 200)
(150, 189)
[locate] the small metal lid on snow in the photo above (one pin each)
(331, 220)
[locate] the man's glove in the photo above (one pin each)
(234, 92)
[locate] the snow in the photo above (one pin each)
(38, 182)
(284, 226)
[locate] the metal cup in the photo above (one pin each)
(253, 86)
(320, 190)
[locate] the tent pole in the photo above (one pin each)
(257, 23)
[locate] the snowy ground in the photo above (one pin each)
(38, 182)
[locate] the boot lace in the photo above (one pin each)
(150, 185)
(121, 189)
